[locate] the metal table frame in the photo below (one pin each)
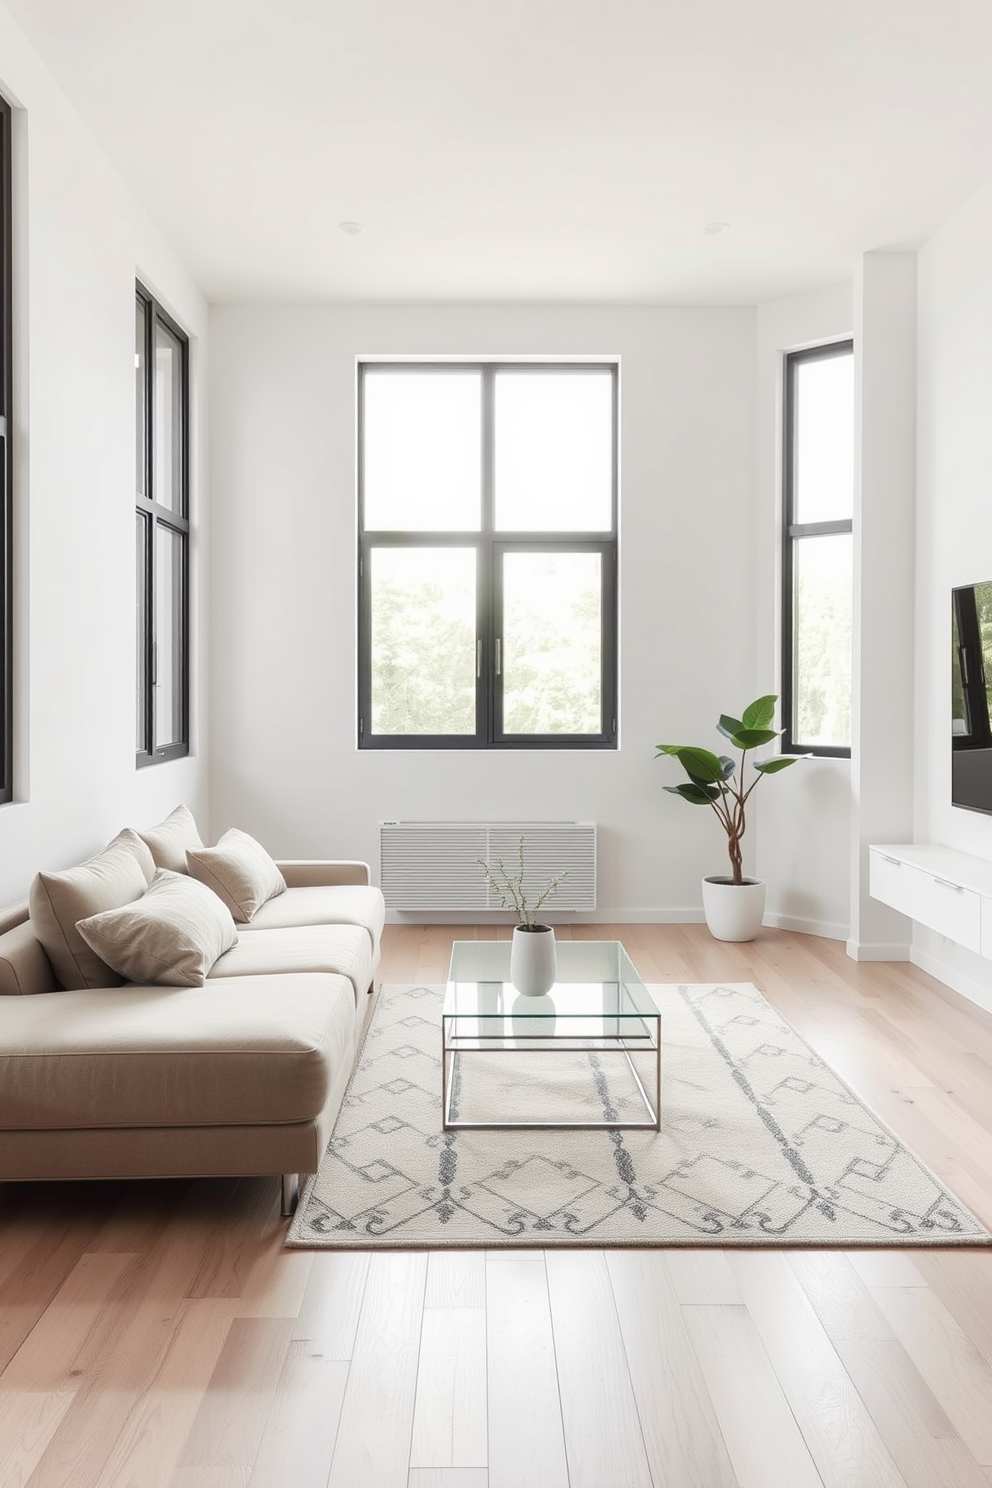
(638, 1029)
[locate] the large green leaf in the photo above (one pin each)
(729, 726)
(669, 748)
(753, 738)
(697, 795)
(759, 714)
(700, 765)
(772, 766)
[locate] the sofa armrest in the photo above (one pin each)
(308, 873)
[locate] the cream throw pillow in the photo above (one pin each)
(172, 839)
(240, 871)
(117, 875)
(172, 935)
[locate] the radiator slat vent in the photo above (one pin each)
(434, 865)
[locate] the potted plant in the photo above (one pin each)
(533, 962)
(733, 905)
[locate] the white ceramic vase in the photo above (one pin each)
(533, 962)
(733, 911)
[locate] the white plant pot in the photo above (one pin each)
(733, 911)
(533, 962)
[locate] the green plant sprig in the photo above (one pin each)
(509, 887)
(714, 780)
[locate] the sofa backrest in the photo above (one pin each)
(24, 967)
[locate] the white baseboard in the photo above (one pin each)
(860, 950)
(806, 927)
(951, 977)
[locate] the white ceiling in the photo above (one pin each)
(554, 150)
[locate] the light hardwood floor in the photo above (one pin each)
(157, 1335)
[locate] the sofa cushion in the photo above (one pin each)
(170, 841)
(111, 878)
(350, 904)
(245, 1050)
(343, 949)
(24, 967)
(172, 935)
(240, 871)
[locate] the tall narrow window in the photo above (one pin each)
(487, 555)
(6, 466)
(818, 552)
(161, 371)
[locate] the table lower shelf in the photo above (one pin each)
(492, 1086)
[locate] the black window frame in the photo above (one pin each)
(793, 533)
(490, 544)
(157, 514)
(6, 462)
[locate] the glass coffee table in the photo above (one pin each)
(597, 1032)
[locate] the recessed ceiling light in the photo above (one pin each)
(716, 227)
(351, 228)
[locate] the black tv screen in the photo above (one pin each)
(971, 703)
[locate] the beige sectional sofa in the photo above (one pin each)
(243, 1074)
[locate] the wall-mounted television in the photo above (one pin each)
(971, 697)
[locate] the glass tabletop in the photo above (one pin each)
(596, 979)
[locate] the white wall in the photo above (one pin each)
(954, 533)
(284, 762)
(808, 886)
(884, 554)
(80, 241)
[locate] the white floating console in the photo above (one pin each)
(947, 891)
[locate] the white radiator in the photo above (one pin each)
(434, 865)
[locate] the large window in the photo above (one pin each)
(487, 555)
(818, 549)
(161, 370)
(6, 465)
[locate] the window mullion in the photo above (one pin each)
(490, 693)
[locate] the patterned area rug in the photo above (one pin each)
(760, 1144)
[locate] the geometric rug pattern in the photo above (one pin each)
(761, 1144)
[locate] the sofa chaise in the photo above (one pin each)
(237, 1066)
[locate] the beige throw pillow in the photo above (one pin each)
(172, 839)
(129, 838)
(57, 901)
(172, 935)
(240, 871)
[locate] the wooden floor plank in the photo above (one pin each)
(958, 1375)
(28, 1421)
(683, 1441)
(961, 1279)
(450, 1417)
(702, 1276)
(456, 1278)
(839, 1297)
(526, 1439)
(603, 1442)
(332, 1303)
(30, 1286)
(919, 1436)
(228, 1427)
(886, 1268)
(382, 1380)
(298, 1439)
(46, 1361)
(837, 1428)
(448, 1477)
(745, 1390)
